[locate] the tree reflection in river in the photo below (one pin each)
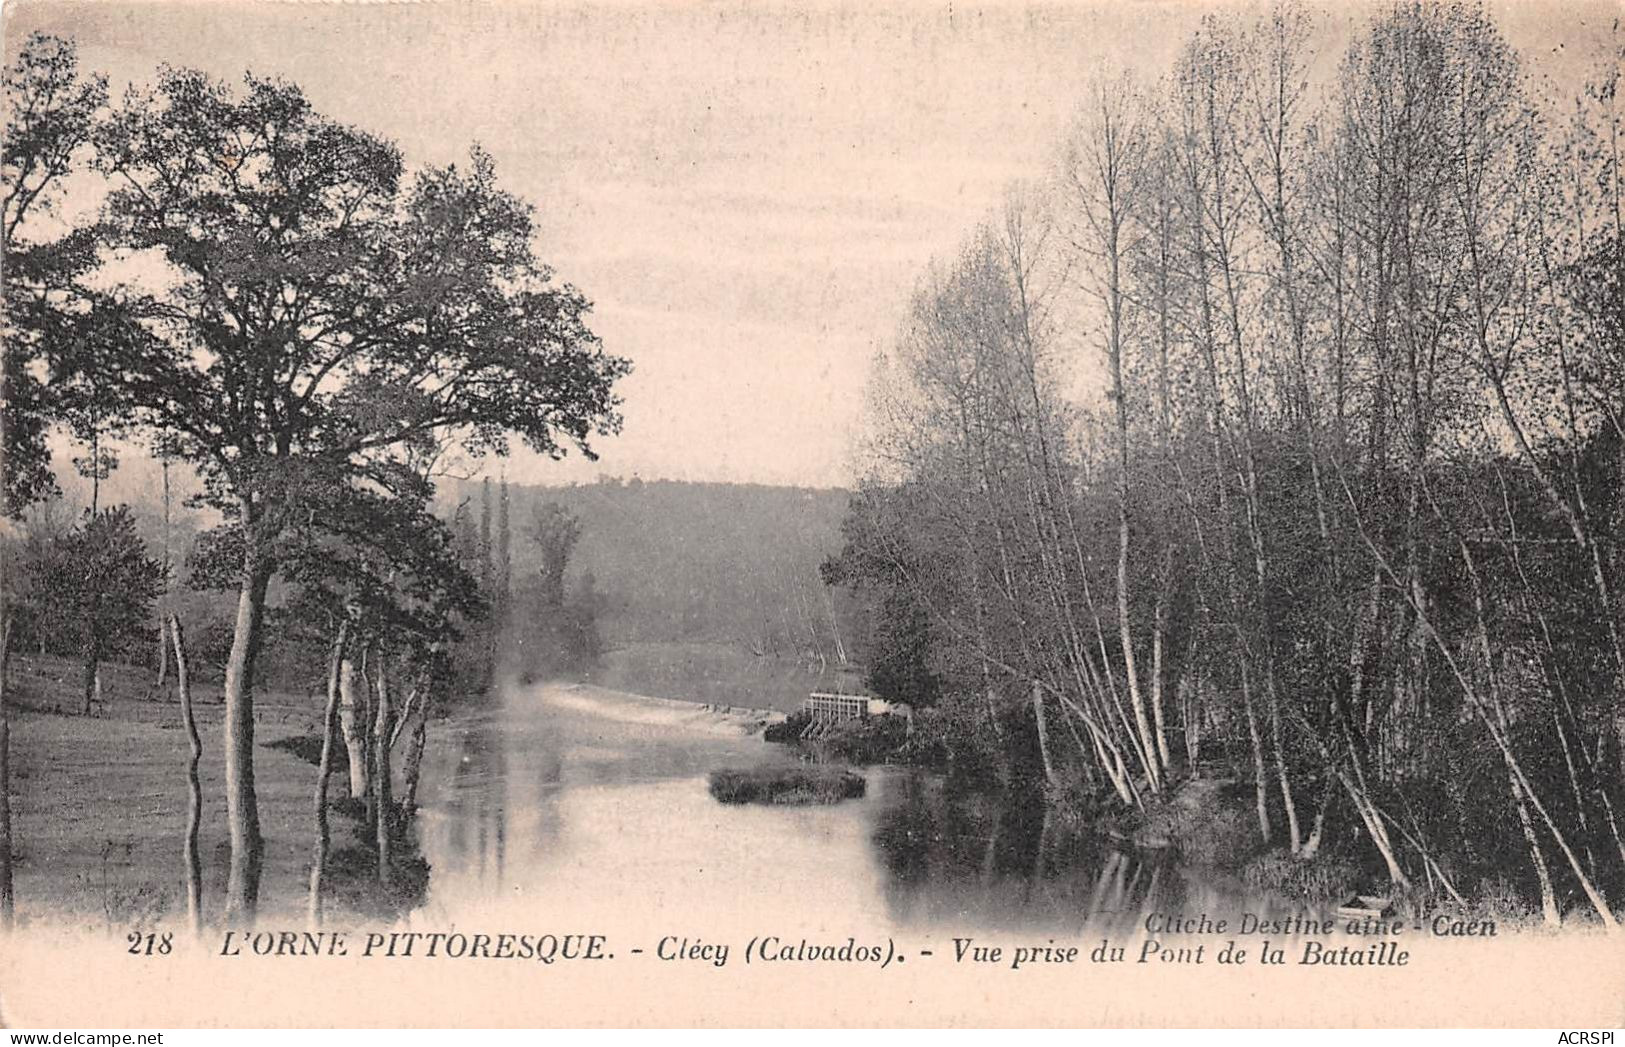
(485, 803)
(566, 799)
(1001, 859)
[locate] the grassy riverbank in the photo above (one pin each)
(1213, 823)
(1208, 822)
(99, 810)
(99, 802)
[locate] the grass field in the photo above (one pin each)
(99, 802)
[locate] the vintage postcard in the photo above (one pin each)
(813, 513)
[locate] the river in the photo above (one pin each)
(575, 800)
(581, 812)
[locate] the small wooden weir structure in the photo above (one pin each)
(827, 711)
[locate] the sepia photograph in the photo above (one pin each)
(812, 513)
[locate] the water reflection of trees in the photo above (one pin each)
(1003, 859)
(494, 799)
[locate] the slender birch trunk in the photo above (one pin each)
(242, 802)
(1050, 776)
(353, 715)
(194, 786)
(383, 803)
(324, 771)
(7, 894)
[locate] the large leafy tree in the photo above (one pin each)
(555, 530)
(883, 557)
(98, 585)
(51, 113)
(316, 317)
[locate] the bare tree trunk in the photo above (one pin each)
(353, 716)
(1311, 845)
(1115, 158)
(383, 803)
(163, 605)
(194, 788)
(407, 714)
(834, 626)
(1294, 837)
(1375, 829)
(414, 756)
(1142, 723)
(7, 897)
(1158, 637)
(1190, 715)
(1043, 735)
(330, 730)
(93, 678)
(1548, 901)
(1260, 776)
(92, 681)
(242, 803)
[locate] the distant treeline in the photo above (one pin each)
(656, 562)
(679, 562)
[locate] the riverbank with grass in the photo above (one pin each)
(99, 801)
(1208, 823)
(99, 805)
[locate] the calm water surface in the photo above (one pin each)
(569, 802)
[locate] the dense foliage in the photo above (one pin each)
(1345, 520)
(270, 298)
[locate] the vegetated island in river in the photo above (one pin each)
(786, 785)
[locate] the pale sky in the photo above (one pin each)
(748, 192)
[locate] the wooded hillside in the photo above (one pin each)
(695, 562)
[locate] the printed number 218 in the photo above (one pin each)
(150, 944)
